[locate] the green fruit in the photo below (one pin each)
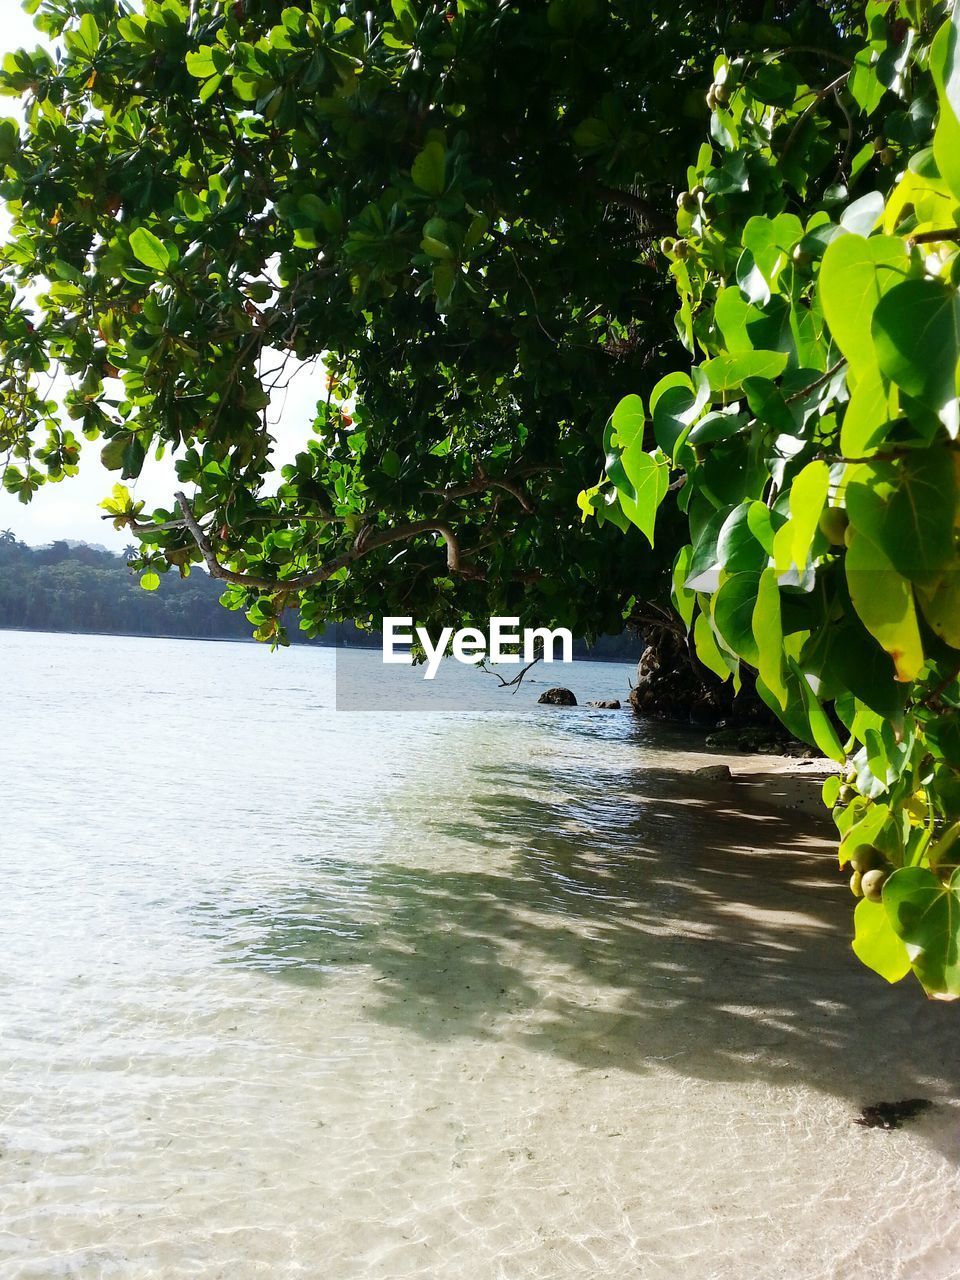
(887, 155)
(698, 190)
(681, 249)
(801, 258)
(668, 246)
(855, 887)
(712, 99)
(833, 524)
(721, 93)
(872, 883)
(687, 201)
(846, 794)
(867, 857)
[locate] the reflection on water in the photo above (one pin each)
(287, 992)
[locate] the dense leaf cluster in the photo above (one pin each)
(442, 213)
(815, 448)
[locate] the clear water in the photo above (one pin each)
(287, 992)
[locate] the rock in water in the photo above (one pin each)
(714, 773)
(557, 698)
(891, 1115)
(606, 704)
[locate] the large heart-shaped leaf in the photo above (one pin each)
(916, 328)
(925, 914)
(854, 276)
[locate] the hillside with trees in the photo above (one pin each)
(67, 587)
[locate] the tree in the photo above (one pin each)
(814, 446)
(446, 211)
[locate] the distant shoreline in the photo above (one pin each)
(305, 644)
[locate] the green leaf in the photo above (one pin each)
(916, 328)
(738, 551)
(390, 464)
(854, 276)
(869, 413)
(684, 601)
(770, 242)
(628, 420)
(864, 86)
(774, 83)
(733, 607)
(673, 410)
(429, 168)
(946, 150)
(940, 605)
(133, 29)
(703, 570)
(823, 732)
(111, 455)
(808, 493)
(708, 651)
(768, 634)
(147, 249)
(649, 479)
(907, 509)
(884, 603)
(925, 914)
(200, 64)
(862, 216)
(876, 944)
(726, 373)
(945, 62)
(86, 39)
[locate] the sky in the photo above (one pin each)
(71, 509)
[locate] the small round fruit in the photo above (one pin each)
(886, 155)
(801, 258)
(712, 99)
(872, 882)
(721, 93)
(681, 249)
(846, 794)
(855, 886)
(698, 190)
(866, 857)
(833, 524)
(668, 245)
(687, 201)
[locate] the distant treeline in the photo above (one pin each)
(75, 587)
(72, 586)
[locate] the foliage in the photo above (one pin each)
(814, 444)
(426, 208)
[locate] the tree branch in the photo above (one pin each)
(931, 237)
(481, 484)
(655, 218)
(366, 542)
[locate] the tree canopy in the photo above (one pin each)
(469, 221)
(448, 211)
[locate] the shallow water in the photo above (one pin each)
(288, 992)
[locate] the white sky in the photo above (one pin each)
(70, 509)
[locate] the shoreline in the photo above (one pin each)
(789, 784)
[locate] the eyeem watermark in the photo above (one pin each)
(503, 642)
